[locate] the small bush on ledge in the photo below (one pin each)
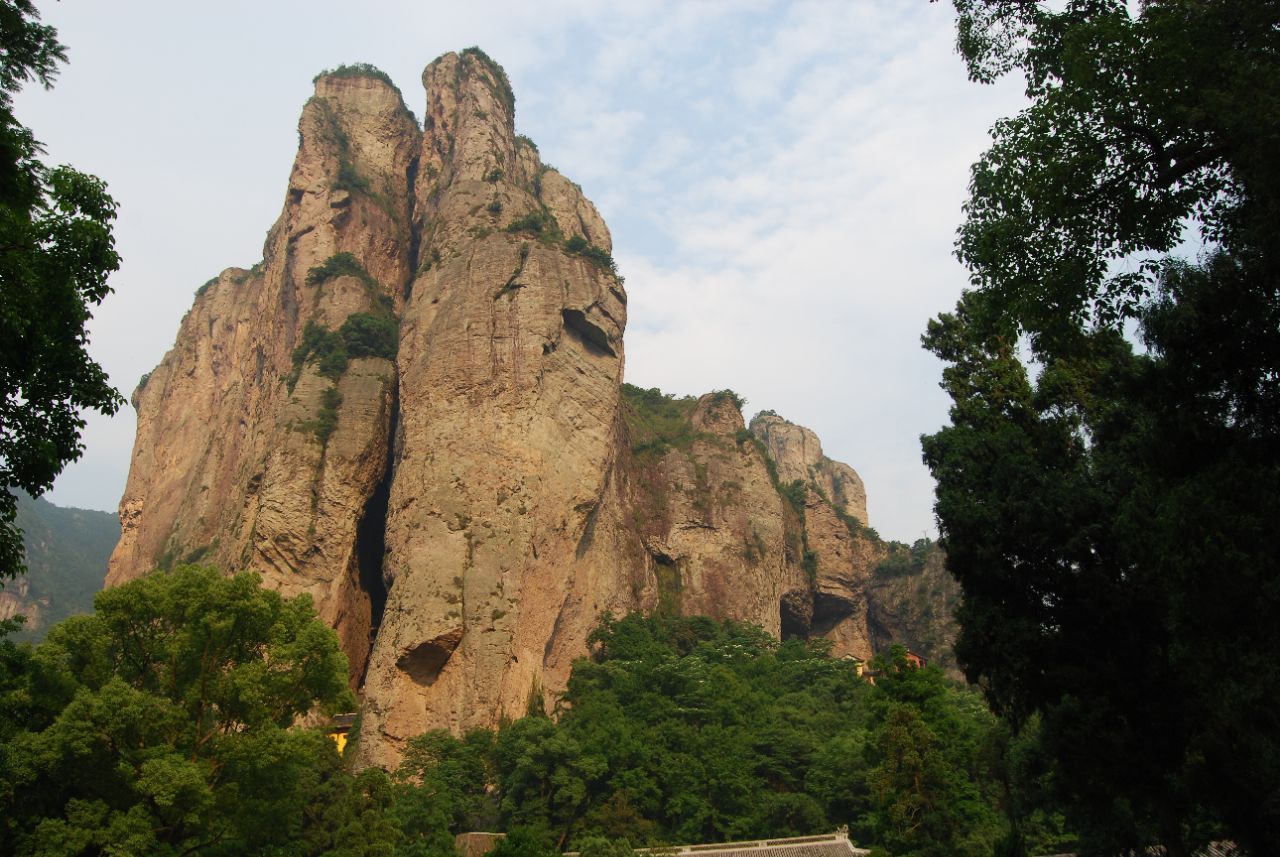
(600, 257)
(358, 69)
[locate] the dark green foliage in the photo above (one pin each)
(368, 335)
(503, 91)
(903, 560)
(326, 348)
(598, 256)
(56, 252)
(525, 842)
(66, 552)
(808, 559)
(339, 265)
(537, 223)
(350, 179)
(912, 599)
(326, 419)
(657, 421)
(332, 361)
(720, 396)
(684, 730)
(363, 334)
(795, 493)
(522, 140)
(443, 789)
(541, 225)
(493, 175)
(208, 284)
(494, 206)
(1107, 512)
(162, 724)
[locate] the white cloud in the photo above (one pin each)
(782, 180)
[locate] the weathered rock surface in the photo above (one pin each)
(464, 499)
(229, 466)
(798, 454)
(912, 600)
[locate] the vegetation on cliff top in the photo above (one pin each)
(504, 92)
(359, 69)
(657, 421)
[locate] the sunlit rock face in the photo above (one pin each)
(411, 409)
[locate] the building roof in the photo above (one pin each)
(829, 845)
(342, 722)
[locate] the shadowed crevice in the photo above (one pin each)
(828, 612)
(796, 612)
(423, 662)
(371, 538)
(595, 339)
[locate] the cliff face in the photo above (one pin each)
(912, 599)
(413, 410)
(244, 459)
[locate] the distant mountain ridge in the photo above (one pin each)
(66, 555)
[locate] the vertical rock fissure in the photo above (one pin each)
(371, 534)
(415, 234)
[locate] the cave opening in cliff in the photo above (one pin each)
(371, 546)
(828, 612)
(795, 610)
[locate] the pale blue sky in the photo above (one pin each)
(783, 182)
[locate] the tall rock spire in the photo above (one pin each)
(412, 409)
(246, 457)
(510, 362)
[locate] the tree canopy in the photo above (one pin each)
(56, 251)
(686, 730)
(163, 723)
(1108, 483)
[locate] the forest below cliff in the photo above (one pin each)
(165, 722)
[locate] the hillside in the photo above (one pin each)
(66, 555)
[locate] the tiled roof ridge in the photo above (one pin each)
(840, 837)
(763, 843)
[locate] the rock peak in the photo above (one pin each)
(412, 409)
(798, 454)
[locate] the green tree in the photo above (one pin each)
(931, 786)
(163, 723)
(1107, 512)
(684, 729)
(443, 789)
(56, 251)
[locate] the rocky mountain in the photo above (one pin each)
(911, 599)
(412, 408)
(66, 552)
